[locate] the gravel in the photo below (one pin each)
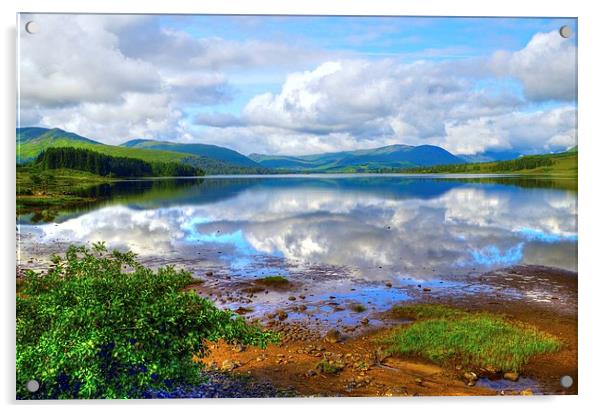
(221, 385)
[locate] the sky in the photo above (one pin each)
(300, 85)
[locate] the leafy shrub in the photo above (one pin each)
(101, 325)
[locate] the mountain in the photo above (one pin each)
(392, 156)
(210, 151)
(491, 156)
(31, 141)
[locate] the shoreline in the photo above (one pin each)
(292, 363)
(291, 366)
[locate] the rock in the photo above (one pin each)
(229, 365)
(282, 315)
(526, 392)
(511, 375)
(365, 321)
(302, 297)
(310, 373)
(389, 284)
(333, 336)
(302, 307)
(292, 298)
(426, 290)
(419, 381)
(238, 348)
(470, 377)
(209, 273)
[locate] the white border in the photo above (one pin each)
(590, 177)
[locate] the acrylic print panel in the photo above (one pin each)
(286, 206)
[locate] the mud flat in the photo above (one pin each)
(355, 363)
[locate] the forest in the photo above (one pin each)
(113, 166)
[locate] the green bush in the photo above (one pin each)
(100, 325)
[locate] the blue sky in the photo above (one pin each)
(305, 84)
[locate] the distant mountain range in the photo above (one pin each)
(213, 159)
(392, 156)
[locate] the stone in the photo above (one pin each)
(292, 298)
(526, 392)
(282, 315)
(426, 290)
(365, 321)
(389, 284)
(470, 377)
(209, 273)
(310, 373)
(238, 348)
(229, 365)
(333, 336)
(511, 375)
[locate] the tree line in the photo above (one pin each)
(107, 165)
(525, 162)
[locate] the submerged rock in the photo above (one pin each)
(333, 336)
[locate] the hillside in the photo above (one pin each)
(366, 160)
(564, 164)
(32, 141)
(210, 151)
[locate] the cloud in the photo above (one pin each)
(135, 116)
(550, 130)
(355, 104)
(546, 66)
(115, 78)
(70, 61)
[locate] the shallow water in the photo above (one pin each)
(356, 227)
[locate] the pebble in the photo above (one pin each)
(221, 385)
(333, 336)
(511, 375)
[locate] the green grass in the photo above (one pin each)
(53, 191)
(446, 335)
(358, 308)
(273, 281)
(329, 366)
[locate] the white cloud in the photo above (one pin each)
(115, 78)
(546, 66)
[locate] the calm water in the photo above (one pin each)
(330, 227)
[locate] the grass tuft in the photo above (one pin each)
(273, 281)
(447, 335)
(358, 308)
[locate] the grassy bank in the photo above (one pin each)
(45, 193)
(450, 336)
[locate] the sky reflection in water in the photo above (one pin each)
(371, 227)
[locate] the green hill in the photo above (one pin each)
(210, 151)
(32, 141)
(366, 160)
